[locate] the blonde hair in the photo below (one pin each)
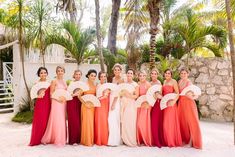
(117, 65)
(60, 67)
(142, 72)
(77, 71)
(156, 70)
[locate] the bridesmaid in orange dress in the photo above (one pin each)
(87, 112)
(101, 114)
(144, 135)
(56, 127)
(188, 114)
(156, 114)
(171, 127)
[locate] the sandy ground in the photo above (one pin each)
(14, 137)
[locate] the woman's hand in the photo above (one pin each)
(157, 96)
(62, 99)
(171, 103)
(41, 94)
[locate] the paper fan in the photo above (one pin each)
(61, 92)
(126, 86)
(151, 92)
(77, 85)
(111, 86)
(165, 99)
(93, 99)
(195, 89)
(37, 87)
(140, 100)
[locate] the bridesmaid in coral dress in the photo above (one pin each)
(171, 127)
(188, 114)
(101, 114)
(74, 114)
(56, 127)
(41, 111)
(156, 115)
(114, 110)
(87, 112)
(129, 112)
(144, 135)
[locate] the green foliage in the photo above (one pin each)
(23, 117)
(165, 63)
(144, 49)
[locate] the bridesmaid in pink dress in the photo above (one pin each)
(144, 135)
(156, 115)
(171, 126)
(101, 114)
(74, 114)
(56, 127)
(188, 114)
(41, 111)
(129, 112)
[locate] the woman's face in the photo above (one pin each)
(77, 76)
(60, 72)
(117, 71)
(129, 74)
(92, 76)
(167, 75)
(142, 77)
(153, 75)
(103, 78)
(43, 74)
(184, 74)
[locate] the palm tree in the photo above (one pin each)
(154, 13)
(113, 26)
(195, 35)
(40, 20)
(68, 6)
(232, 52)
(75, 40)
(98, 34)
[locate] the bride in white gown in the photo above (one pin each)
(114, 111)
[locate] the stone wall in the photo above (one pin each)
(214, 77)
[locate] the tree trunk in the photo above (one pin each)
(20, 29)
(98, 34)
(113, 26)
(154, 12)
(232, 52)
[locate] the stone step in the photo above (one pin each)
(5, 110)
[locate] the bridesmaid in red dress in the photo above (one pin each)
(171, 126)
(101, 114)
(41, 111)
(156, 114)
(74, 114)
(144, 135)
(188, 115)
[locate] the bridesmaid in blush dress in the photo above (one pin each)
(41, 111)
(114, 110)
(156, 114)
(144, 135)
(101, 114)
(74, 114)
(188, 114)
(87, 112)
(128, 112)
(56, 127)
(171, 126)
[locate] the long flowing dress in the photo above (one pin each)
(128, 120)
(101, 122)
(114, 122)
(144, 135)
(87, 121)
(189, 121)
(56, 127)
(74, 120)
(40, 118)
(157, 125)
(171, 127)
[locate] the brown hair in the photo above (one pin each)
(131, 70)
(60, 67)
(117, 65)
(169, 71)
(77, 71)
(184, 69)
(100, 73)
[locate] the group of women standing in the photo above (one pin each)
(117, 120)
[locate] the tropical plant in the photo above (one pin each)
(75, 40)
